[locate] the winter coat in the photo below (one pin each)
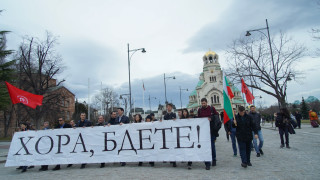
(244, 128)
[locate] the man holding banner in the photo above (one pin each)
(215, 125)
(83, 123)
(61, 125)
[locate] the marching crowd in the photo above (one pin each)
(244, 130)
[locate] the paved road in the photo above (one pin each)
(302, 161)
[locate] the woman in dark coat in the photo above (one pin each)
(284, 125)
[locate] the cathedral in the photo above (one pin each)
(210, 86)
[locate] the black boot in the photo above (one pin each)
(102, 165)
(56, 168)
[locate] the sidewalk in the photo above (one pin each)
(4, 148)
(299, 162)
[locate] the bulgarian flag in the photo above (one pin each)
(227, 96)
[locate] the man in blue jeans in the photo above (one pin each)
(256, 117)
(215, 125)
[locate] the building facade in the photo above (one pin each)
(210, 86)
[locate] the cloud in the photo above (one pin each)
(245, 15)
(86, 59)
(154, 86)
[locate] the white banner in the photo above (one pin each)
(179, 140)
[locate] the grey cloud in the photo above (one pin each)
(84, 60)
(155, 87)
(245, 15)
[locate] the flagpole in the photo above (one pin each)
(101, 100)
(89, 99)
(144, 112)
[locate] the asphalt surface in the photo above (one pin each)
(299, 162)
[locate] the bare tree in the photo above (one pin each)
(250, 58)
(38, 65)
(108, 99)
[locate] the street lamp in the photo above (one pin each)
(165, 86)
(129, 58)
(267, 36)
(125, 102)
(150, 101)
(180, 94)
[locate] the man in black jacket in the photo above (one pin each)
(83, 123)
(112, 120)
(61, 125)
(121, 119)
(298, 117)
(170, 116)
(244, 127)
(256, 117)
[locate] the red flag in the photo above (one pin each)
(19, 96)
(246, 91)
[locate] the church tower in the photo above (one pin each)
(210, 84)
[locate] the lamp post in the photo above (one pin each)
(180, 94)
(269, 40)
(125, 102)
(165, 86)
(129, 58)
(150, 101)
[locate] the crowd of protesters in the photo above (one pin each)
(243, 128)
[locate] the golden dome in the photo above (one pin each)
(210, 53)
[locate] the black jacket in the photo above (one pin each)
(256, 117)
(169, 116)
(112, 121)
(245, 127)
(100, 124)
(124, 120)
(298, 116)
(64, 126)
(85, 123)
(215, 125)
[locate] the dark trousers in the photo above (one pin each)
(245, 151)
(299, 123)
(284, 131)
(44, 167)
(213, 151)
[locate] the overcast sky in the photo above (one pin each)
(93, 37)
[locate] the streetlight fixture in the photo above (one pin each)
(125, 102)
(129, 58)
(165, 86)
(269, 40)
(150, 101)
(180, 94)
